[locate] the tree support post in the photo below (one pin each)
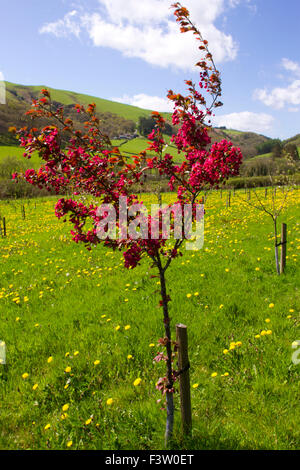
(283, 248)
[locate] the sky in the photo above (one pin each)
(131, 51)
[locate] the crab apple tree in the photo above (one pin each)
(86, 163)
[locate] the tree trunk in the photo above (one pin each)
(170, 380)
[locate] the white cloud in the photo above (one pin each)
(291, 66)
(146, 29)
(154, 103)
(280, 97)
(69, 24)
(246, 121)
(2, 89)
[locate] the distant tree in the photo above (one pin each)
(267, 147)
(147, 124)
(277, 150)
(291, 152)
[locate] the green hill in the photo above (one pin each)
(117, 118)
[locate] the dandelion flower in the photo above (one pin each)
(137, 382)
(189, 295)
(267, 320)
(271, 305)
(66, 407)
(50, 359)
(109, 401)
(129, 356)
(88, 421)
(68, 369)
(96, 362)
(195, 385)
(225, 351)
(25, 375)
(47, 426)
(69, 443)
(127, 327)
(214, 374)
(35, 386)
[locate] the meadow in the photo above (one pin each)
(81, 333)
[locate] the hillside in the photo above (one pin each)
(117, 118)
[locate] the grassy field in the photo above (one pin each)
(17, 152)
(80, 329)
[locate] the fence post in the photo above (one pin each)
(184, 378)
(4, 226)
(283, 248)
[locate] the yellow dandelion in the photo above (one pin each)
(35, 386)
(88, 421)
(214, 374)
(225, 351)
(68, 369)
(257, 336)
(117, 327)
(129, 356)
(137, 382)
(25, 375)
(268, 332)
(195, 385)
(96, 362)
(48, 426)
(271, 305)
(127, 327)
(76, 353)
(50, 359)
(109, 401)
(151, 345)
(189, 295)
(267, 320)
(66, 407)
(69, 443)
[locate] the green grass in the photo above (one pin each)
(11, 151)
(59, 300)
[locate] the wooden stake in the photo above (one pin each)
(283, 248)
(4, 226)
(184, 378)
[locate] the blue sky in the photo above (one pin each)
(131, 51)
